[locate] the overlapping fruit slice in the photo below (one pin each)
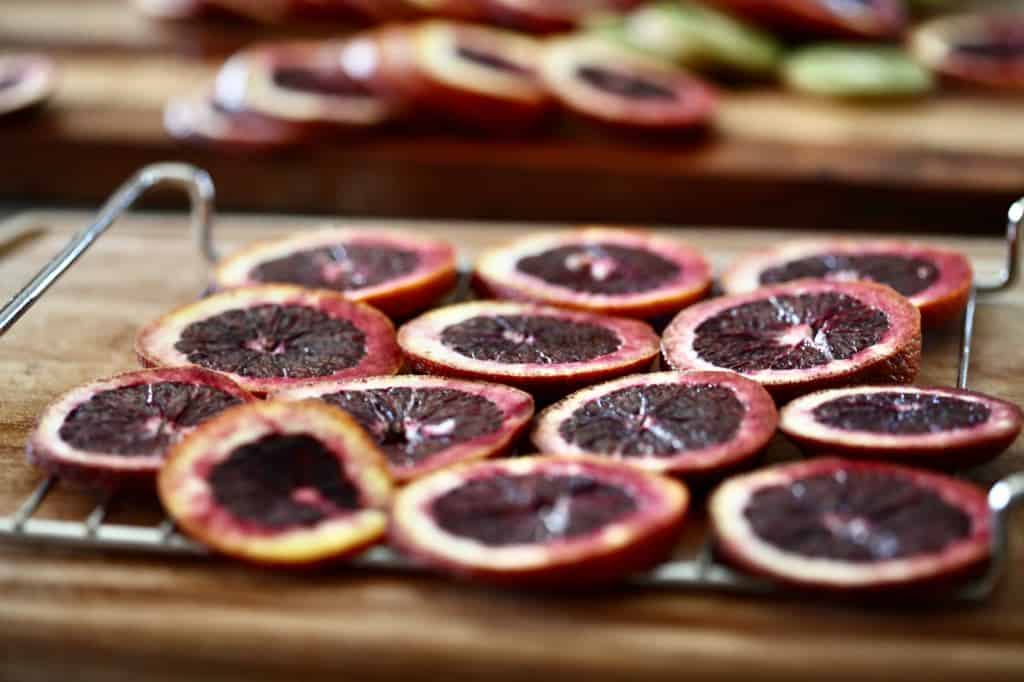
(395, 271)
(935, 279)
(425, 423)
(540, 521)
(26, 80)
(692, 424)
(199, 118)
(840, 525)
(115, 432)
(278, 483)
(542, 349)
(921, 426)
(272, 337)
(871, 19)
(799, 337)
(603, 270)
(472, 74)
(300, 83)
(984, 49)
(615, 85)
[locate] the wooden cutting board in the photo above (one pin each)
(951, 163)
(84, 615)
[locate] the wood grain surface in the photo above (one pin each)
(949, 163)
(85, 616)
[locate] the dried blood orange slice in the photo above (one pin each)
(545, 350)
(602, 270)
(798, 337)
(986, 48)
(115, 432)
(200, 119)
(840, 525)
(276, 483)
(481, 76)
(26, 80)
(868, 19)
(395, 271)
(935, 279)
(692, 424)
(614, 85)
(272, 337)
(301, 83)
(425, 423)
(915, 425)
(540, 521)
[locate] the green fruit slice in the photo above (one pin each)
(701, 37)
(838, 70)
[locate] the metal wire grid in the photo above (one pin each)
(703, 572)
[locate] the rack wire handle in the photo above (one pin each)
(194, 181)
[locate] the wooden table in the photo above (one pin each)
(84, 616)
(951, 163)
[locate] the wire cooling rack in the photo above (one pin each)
(702, 572)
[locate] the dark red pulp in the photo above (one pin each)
(322, 81)
(789, 332)
(484, 57)
(141, 420)
(659, 419)
(273, 341)
(533, 508)
(283, 481)
(624, 85)
(411, 424)
(855, 516)
(907, 275)
(341, 267)
(901, 413)
(600, 268)
(535, 339)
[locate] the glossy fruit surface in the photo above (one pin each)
(115, 432)
(603, 270)
(540, 521)
(398, 272)
(937, 280)
(545, 350)
(839, 525)
(690, 424)
(799, 337)
(279, 484)
(272, 337)
(910, 424)
(426, 423)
